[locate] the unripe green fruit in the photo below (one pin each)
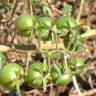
(24, 24)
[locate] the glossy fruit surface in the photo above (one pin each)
(24, 24)
(77, 65)
(9, 74)
(45, 22)
(35, 75)
(59, 76)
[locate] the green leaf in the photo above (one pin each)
(67, 9)
(5, 5)
(57, 68)
(34, 1)
(45, 8)
(55, 54)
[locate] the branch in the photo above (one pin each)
(86, 93)
(89, 33)
(47, 46)
(4, 48)
(51, 12)
(80, 11)
(76, 86)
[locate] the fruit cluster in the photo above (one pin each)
(40, 74)
(45, 28)
(58, 66)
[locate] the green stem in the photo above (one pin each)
(68, 48)
(56, 40)
(39, 39)
(71, 53)
(18, 88)
(49, 62)
(30, 6)
(73, 58)
(27, 61)
(39, 44)
(74, 47)
(31, 35)
(65, 61)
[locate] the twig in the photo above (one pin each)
(50, 9)
(46, 46)
(4, 48)
(30, 92)
(89, 33)
(27, 61)
(90, 81)
(80, 11)
(12, 40)
(3, 90)
(90, 92)
(14, 9)
(76, 86)
(86, 93)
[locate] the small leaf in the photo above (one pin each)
(44, 84)
(57, 68)
(55, 54)
(67, 9)
(45, 8)
(34, 1)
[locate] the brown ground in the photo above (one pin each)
(87, 82)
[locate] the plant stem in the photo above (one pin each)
(90, 81)
(76, 86)
(65, 61)
(49, 62)
(51, 89)
(50, 8)
(27, 62)
(18, 88)
(14, 9)
(56, 40)
(80, 11)
(30, 6)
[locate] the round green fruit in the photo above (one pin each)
(60, 76)
(77, 65)
(24, 24)
(9, 73)
(35, 75)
